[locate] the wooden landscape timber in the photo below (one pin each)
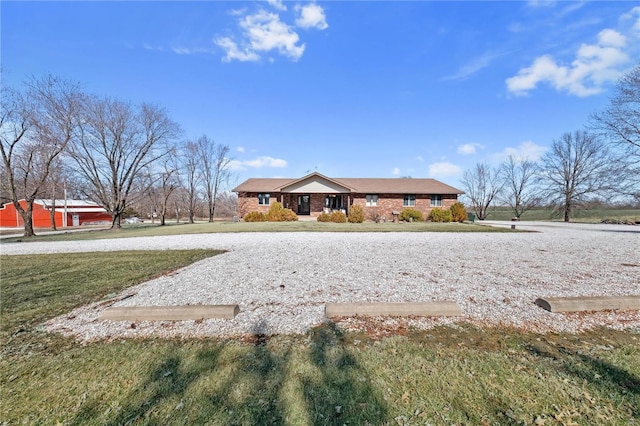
(584, 304)
(442, 308)
(169, 313)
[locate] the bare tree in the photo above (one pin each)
(579, 166)
(481, 185)
(214, 169)
(35, 127)
(163, 185)
(117, 142)
(519, 190)
(227, 204)
(619, 124)
(189, 178)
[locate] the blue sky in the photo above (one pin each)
(345, 88)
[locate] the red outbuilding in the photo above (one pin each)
(67, 213)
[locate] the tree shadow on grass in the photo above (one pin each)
(340, 391)
(231, 383)
(607, 377)
(166, 379)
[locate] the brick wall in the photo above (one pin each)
(248, 202)
(387, 203)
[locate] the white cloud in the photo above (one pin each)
(634, 15)
(475, 65)
(594, 66)
(258, 163)
(311, 16)
(395, 171)
(469, 148)
(262, 32)
(148, 46)
(443, 169)
(527, 150)
(233, 52)
(241, 149)
(238, 12)
(266, 32)
(277, 4)
(419, 158)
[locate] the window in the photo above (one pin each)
(372, 200)
(333, 202)
(263, 199)
(409, 201)
(436, 201)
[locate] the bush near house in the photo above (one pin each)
(458, 212)
(277, 213)
(440, 215)
(337, 217)
(255, 217)
(356, 214)
(411, 215)
(324, 217)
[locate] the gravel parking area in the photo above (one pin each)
(281, 281)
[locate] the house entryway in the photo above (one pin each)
(304, 204)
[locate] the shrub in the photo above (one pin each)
(440, 215)
(255, 217)
(411, 215)
(289, 216)
(356, 214)
(338, 217)
(277, 213)
(324, 217)
(458, 212)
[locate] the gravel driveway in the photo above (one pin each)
(281, 281)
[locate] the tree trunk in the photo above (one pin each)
(567, 209)
(27, 218)
(116, 224)
(52, 214)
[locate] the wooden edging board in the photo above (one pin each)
(169, 313)
(593, 303)
(444, 308)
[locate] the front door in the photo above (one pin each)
(304, 204)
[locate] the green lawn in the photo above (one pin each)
(595, 215)
(147, 229)
(448, 375)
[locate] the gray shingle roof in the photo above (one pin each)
(357, 185)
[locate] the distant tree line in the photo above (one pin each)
(128, 158)
(599, 162)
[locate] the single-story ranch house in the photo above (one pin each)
(314, 194)
(69, 213)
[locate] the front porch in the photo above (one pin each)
(313, 204)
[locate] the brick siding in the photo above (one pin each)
(387, 203)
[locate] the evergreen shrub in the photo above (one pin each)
(356, 214)
(440, 215)
(277, 213)
(458, 212)
(411, 215)
(255, 217)
(338, 217)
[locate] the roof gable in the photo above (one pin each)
(316, 183)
